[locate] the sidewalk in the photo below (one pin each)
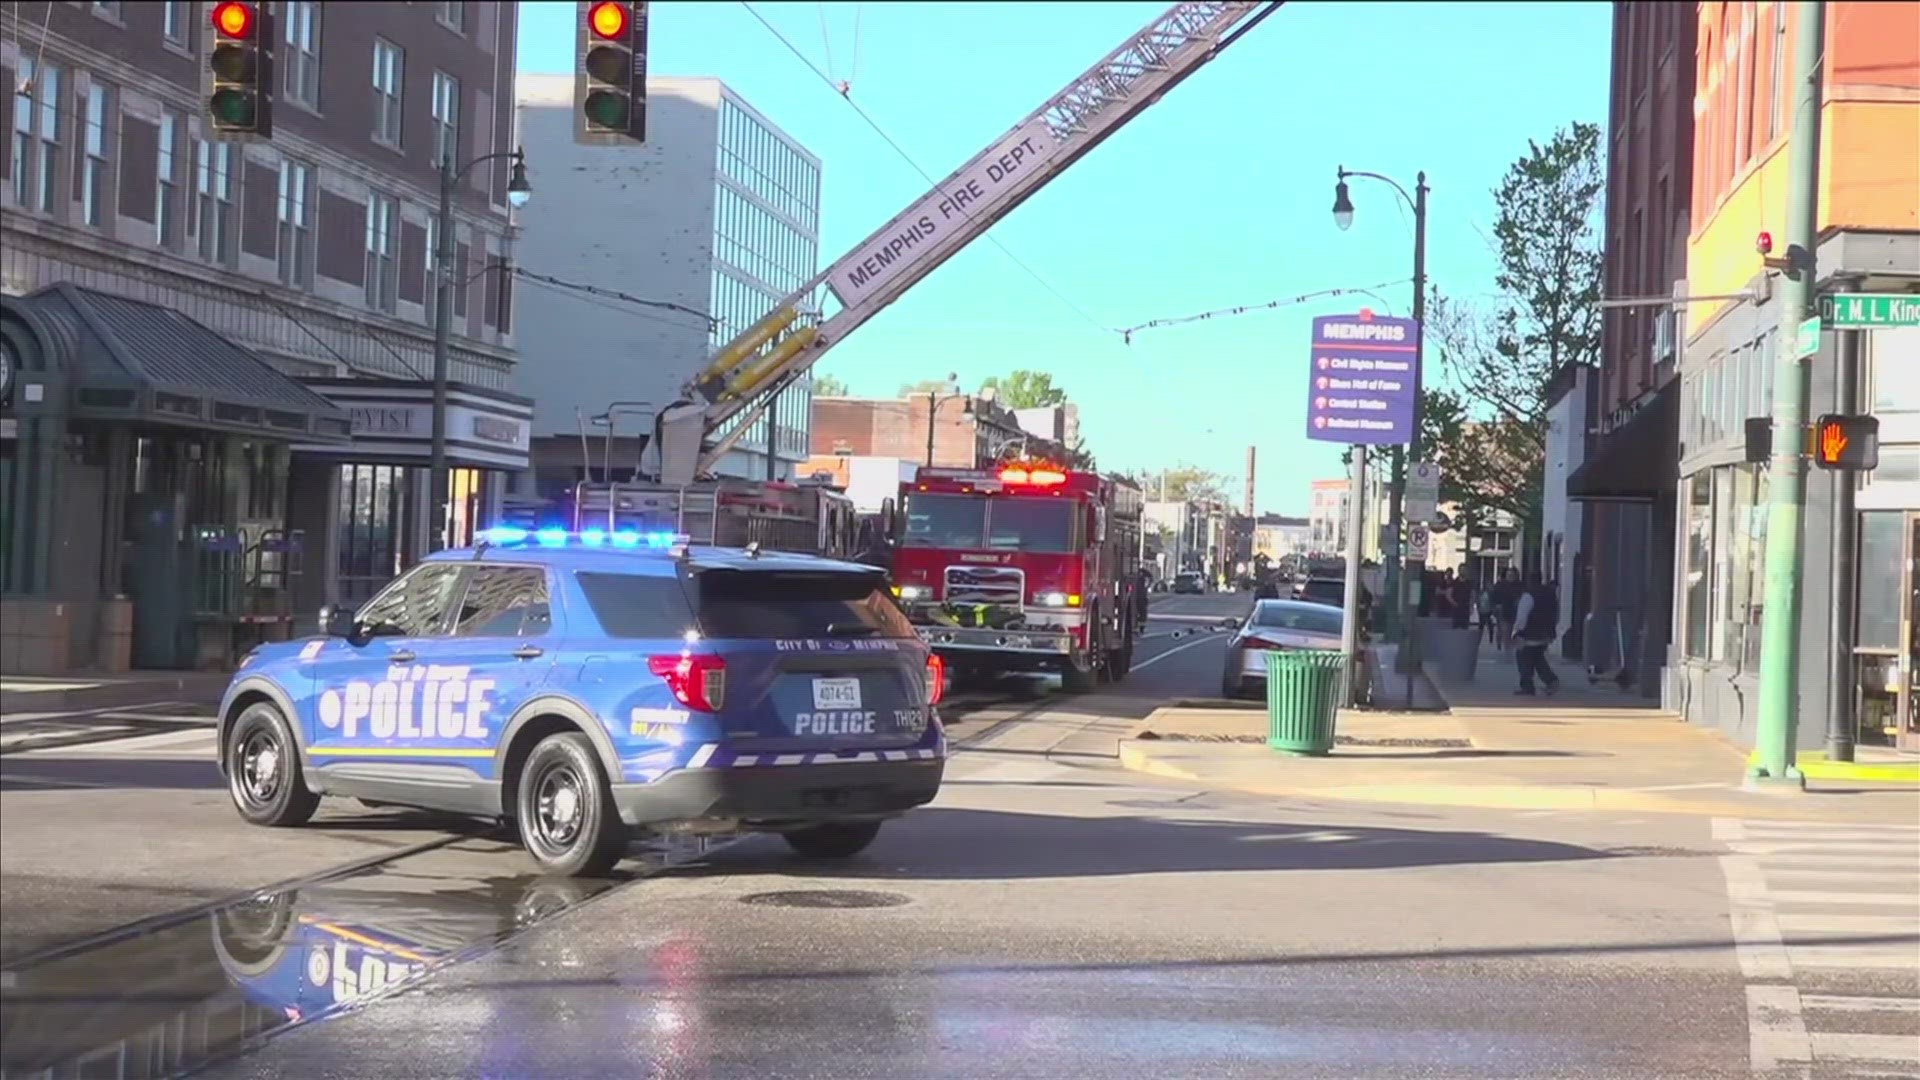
(1587, 748)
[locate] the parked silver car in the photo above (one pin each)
(1276, 624)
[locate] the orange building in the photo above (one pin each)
(1869, 241)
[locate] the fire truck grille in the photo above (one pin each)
(985, 585)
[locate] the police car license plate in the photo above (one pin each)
(836, 693)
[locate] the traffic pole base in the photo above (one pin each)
(1761, 782)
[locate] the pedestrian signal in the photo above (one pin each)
(237, 83)
(610, 80)
(1846, 442)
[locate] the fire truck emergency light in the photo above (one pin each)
(1036, 477)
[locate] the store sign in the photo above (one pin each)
(394, 424)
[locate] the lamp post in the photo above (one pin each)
(1399, 586)
(934, 401)
(518, 192)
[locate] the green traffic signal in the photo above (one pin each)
(232, 108)
(606, 109)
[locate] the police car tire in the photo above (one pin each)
(293, 802)
(835, 840)
(602, 838)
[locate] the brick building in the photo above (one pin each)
(1625, 484)
(968, 431)
(229, 342)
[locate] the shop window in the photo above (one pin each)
(1877, 616)
(466, 492)
(1699, 584)
(370, 546)
(1896, 389)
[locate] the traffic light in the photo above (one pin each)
(610, 87)
(238, 82)
(1846, 442)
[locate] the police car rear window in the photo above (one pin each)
(633, 606)
(797, 604)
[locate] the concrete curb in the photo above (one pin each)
(1139, 758)
(1814, 765)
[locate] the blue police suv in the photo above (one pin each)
(595, 687)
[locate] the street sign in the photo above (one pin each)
(1806, 340)
(1870, 311)
(1423, 491)
(1362, 379)
(1418, 542)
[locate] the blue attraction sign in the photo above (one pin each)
(1363, 378)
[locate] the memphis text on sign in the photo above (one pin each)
(923, 225)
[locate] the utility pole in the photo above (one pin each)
(1415, 573)
(1780, 627)
(1350, 604)
(1840, 678)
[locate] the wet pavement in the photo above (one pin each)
(1049, 916)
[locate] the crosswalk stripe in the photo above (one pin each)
(1908, 878)
(1776, 1029)
(1828, 1046)
(1876, 957)
(1856, 1003)
(1907, 901)
(1820, 922)
(1753, 846)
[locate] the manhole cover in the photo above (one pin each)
(828, 898)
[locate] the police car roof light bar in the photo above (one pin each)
(512, 535)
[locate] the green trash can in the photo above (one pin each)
(1303, 696)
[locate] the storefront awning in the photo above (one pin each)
(393, 424)
(1638, 461)
(127, 360)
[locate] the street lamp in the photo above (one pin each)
(518, 192)
(934, 401)
(1398, 584)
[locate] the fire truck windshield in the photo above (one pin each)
(979, 523)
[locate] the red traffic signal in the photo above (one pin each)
(1846, 442)
(233, 20)
(608, 20)
(610, 74)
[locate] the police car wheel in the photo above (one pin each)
(263, 770)
(839, 840)
(565, 809)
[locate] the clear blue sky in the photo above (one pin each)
(1220, 195)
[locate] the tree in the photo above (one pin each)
(1184, 483)
(926, 386)
(1026, 389)
(1081, 458)
(829, 386)
(1490, 435)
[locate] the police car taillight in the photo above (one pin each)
(936, 678)
(698, 681)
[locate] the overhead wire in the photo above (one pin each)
(615, 294)
(1248, 309)
(908, 158)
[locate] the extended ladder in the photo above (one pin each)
(745, 375)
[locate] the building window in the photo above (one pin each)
(453, 15)
(213, 186)
(1699, 583)
(109, 8)
(1893, 352)
(93, 170)
(389, 76)
(383, 222)
(36, 135)
(295, 216)
(175, 18)
(371, 542)
(166, 229)
(446, 118)
(1777, 76)
(302, 54)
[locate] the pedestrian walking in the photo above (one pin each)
(1462, 603)
(1485, 606)
(1506, 605)
(1536, 627)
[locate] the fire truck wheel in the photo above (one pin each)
(1121, 663)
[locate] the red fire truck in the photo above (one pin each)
(1025, 567)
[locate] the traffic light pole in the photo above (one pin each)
(1780, 627)
(1840, 675)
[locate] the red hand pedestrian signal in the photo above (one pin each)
(1846, 442)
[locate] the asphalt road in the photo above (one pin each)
(1048, 916)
